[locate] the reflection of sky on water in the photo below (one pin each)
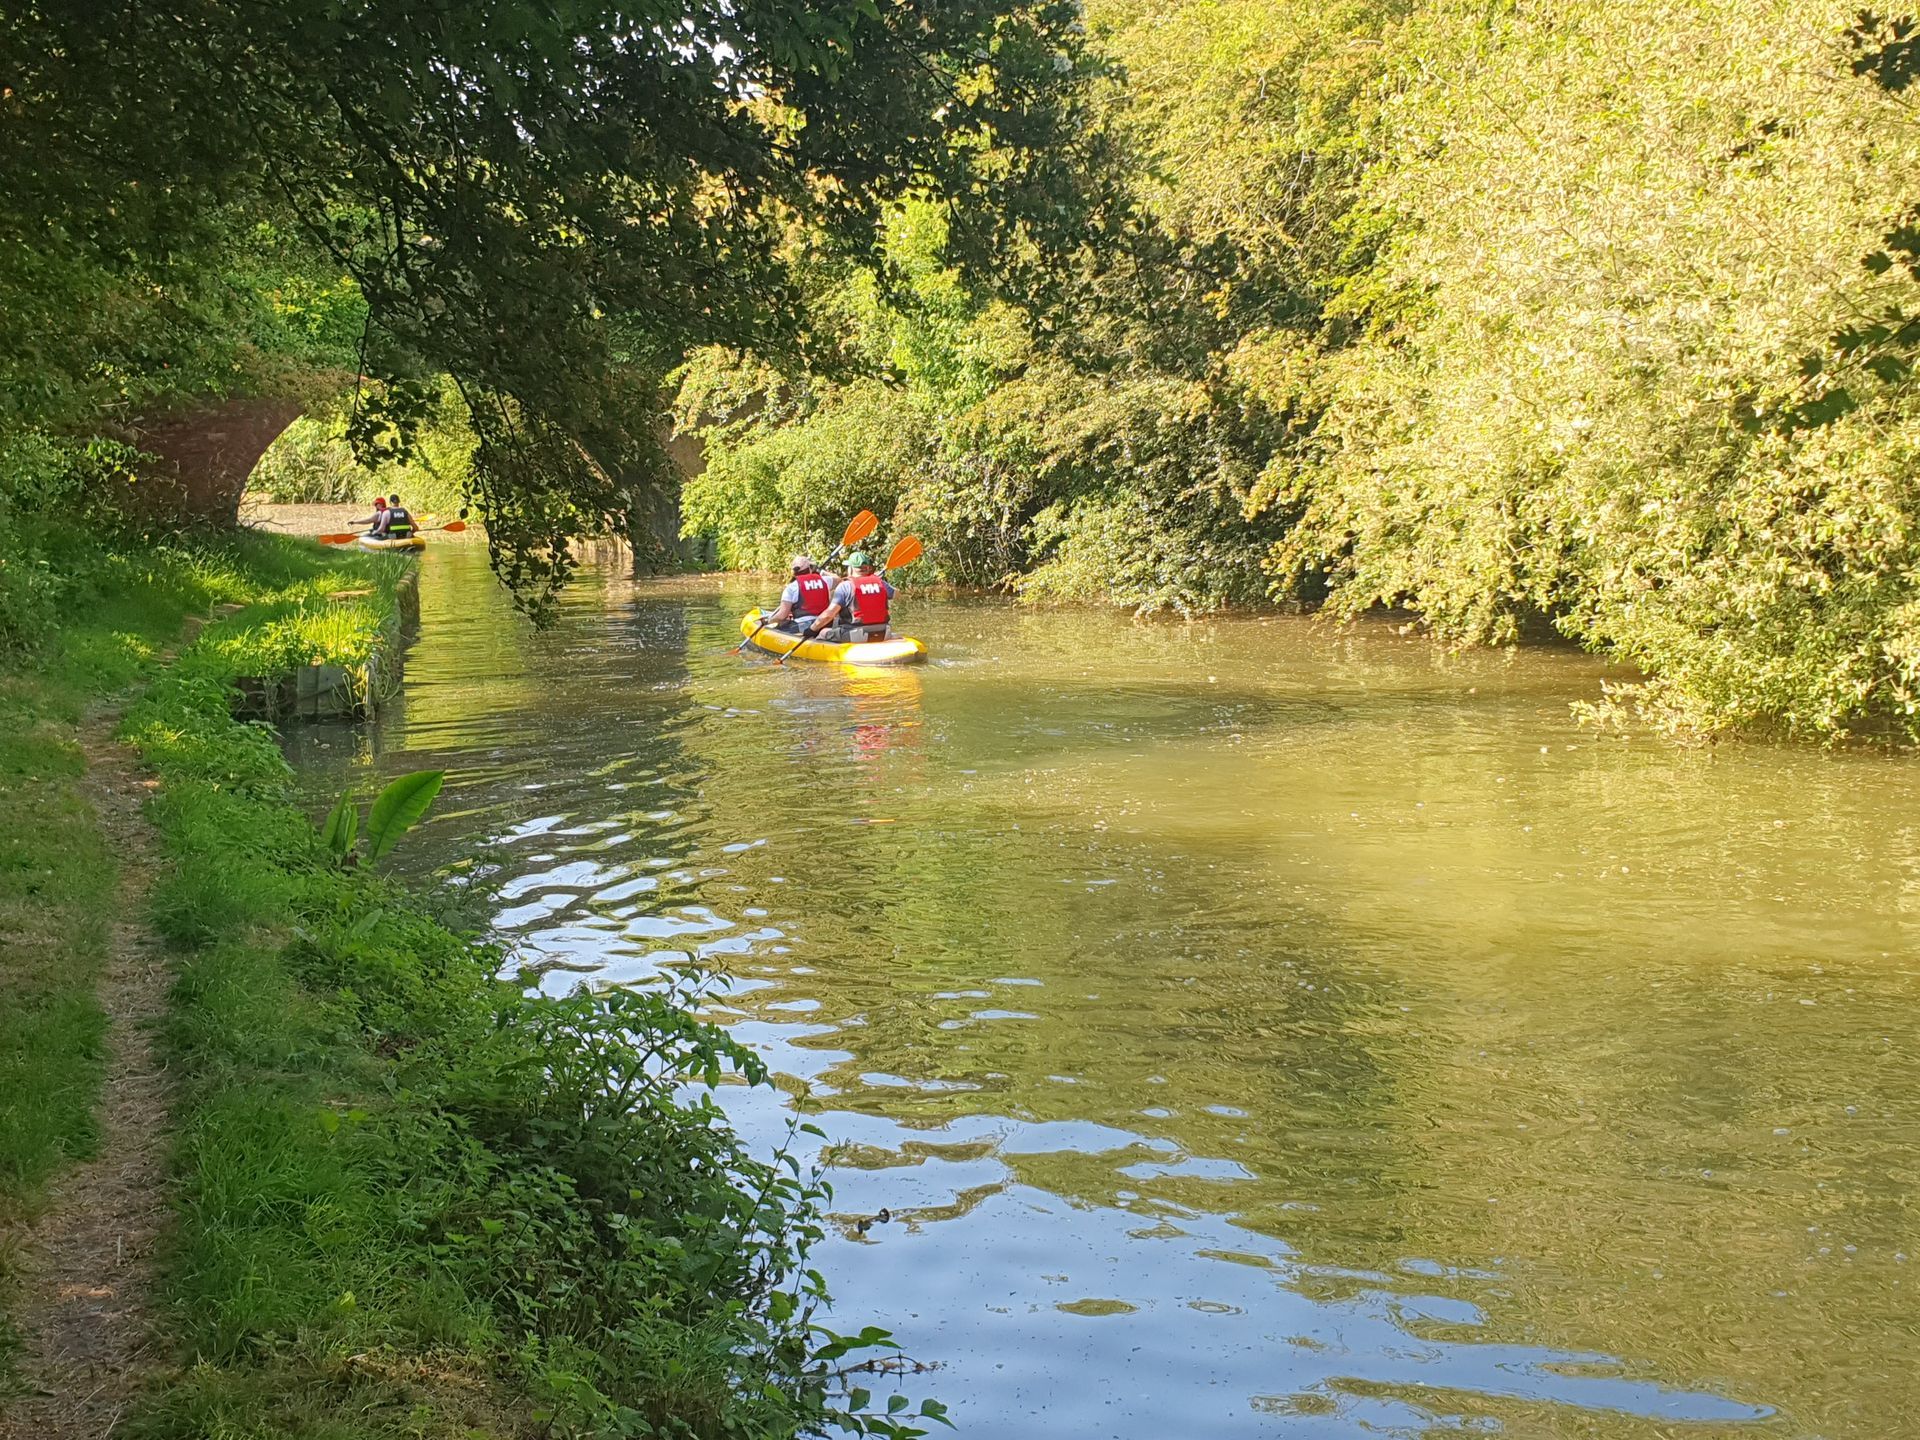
(1201, 1306)
(1256, 1040)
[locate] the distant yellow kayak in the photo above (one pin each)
(393, 542)
(899, 650)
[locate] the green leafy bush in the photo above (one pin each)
(1584, 391)
(794, 487)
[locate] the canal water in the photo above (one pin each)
(1252, 1028)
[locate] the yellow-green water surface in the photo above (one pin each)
(1251, 1028)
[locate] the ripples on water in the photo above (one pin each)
(1252, 1028)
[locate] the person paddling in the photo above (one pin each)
(860, 604)
(806, 597)
(372, 523)
(397, 523)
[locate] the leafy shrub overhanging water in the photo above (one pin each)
(1596, 316)
(417, 1199)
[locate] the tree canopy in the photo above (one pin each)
(551, 202)
(1587, 317)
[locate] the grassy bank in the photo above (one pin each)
(411, 1200)
(120, 609)
(414, 1201)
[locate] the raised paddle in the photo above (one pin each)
(906, 550)
(453, 527)
(858, 528)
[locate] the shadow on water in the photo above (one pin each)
(1255, 1028)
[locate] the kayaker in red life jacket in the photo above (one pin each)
(372, 522)
(806, 597)
(860, 605)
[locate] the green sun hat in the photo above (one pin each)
(858, 560)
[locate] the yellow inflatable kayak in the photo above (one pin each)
(899, 650)
(409, 542)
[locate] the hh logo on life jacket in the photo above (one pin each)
(869, 600)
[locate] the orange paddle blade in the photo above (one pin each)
(904, 553)
(346, 539)
(453, 526)
(858, 528)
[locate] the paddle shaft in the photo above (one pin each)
(348, 537)
(751, 638)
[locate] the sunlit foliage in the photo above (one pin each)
(1589, 317)
(1616, 233)
(553, 203)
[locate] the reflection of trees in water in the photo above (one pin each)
(1673, 1149)
(536, 728)
(956, 905)
(1614, 947)
(983, 878)
(1529, 1066)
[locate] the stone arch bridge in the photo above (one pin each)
(201, 461)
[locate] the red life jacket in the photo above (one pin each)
(815, 594)
(869, 600)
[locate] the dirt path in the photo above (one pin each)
(87, 1266)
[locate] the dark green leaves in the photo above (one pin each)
(1884, 349)
(1823, 409)
(1887, 51)
(553, 203)
(385, 421)
(1888, 369)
